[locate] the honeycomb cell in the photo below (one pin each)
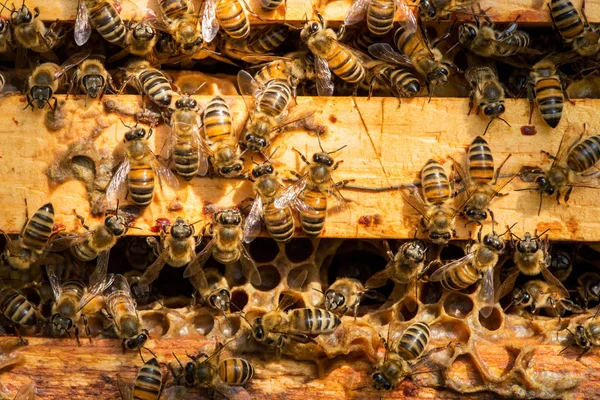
(465, 373)
(408, 310)
(452, 252)
(299, 249)
(231, 328)
(430, 292)
(239, 299)
(176, 302)
(293, 280)
(359, 261)
(156, 322)
(493, 322)
(263, 250)
(458, 305)
(453, 330)
(203, 323)
(270, 278)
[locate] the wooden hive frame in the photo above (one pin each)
(381, 139)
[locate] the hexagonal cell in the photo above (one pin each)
(408, 311)
(263, 250)
(430, 292)
(270, 278)
(299, 249)
(171, 283)
(358, 260)
(176, 302)
(450, 330)
(234, 275)
(293, 278)
(501, 362)
(231, 328)
(452, 252)
(493, 322)
(203, 323)
(458, 305)
(239, 299)
(465, 372)
(156, 322)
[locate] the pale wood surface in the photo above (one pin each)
(386, 145)
(530, 11)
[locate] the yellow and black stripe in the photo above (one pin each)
(107, 21)
(217, 121)
(140, 183)
(436, 187)
(413, 341)
(173, 9)
(364, 38)
(550, 99)
(270, 5)
(275, 98)
(312, 321)
(186, 159)
(313, 222)
(233, 19)
(39, 229)
(156, 86)
(403, 81)
(408, 43)
(481, 161)
(566, 19)
(84, 251)
(585, 155)
(148, 382)
(279, 222)
(16, 308)
(380, 16)
(273, 70)
(72, 292)
(343, 62)
(460, 277)
(264, 41)
(235, 371)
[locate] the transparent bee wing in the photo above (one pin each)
(486, 293)
(99, 273)
(95, 290)
(196, 265)
(249, 267)
(249, 89)
(508, 284)
(253, 223)
(54, 281)
(439, 274)
(120, 284)
(507, 47)
(379, 279)
(124, 389)
(83, 29)
(289, 194)
(118, 184)
(323, 79)
(295, 116)
(591, 181)
(340, 203)
(530, 174)
(153, 270)
(69, 240)
(356, 12)
(72, 61)
(551, 279)
(210, 25)
(175, 393)
(26, 392)
(413, 198)
(385, 52)
(165, 175)
(287, 300)
(166, 152)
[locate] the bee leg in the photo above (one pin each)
(302, 156)
(82, 220)
(530, 97)
(583, 352)
(568, 194)
(22, 341)
(37, 12)
(86, 327)
(29, 103)
(585, 20)
(336, 165)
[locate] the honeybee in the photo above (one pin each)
(230, 15)
(120, 309)
(481, 182)
(221, 139)
(345, 294)
(104, 17)
(260, 41)
(539, 295)
(415, 52)
(435, 10)
(184, 149)
(226, 246)
(148, 383)
(574, 29)
(545, 87)
(561, 264)
(46, 79)
(141, 38)
(294, 67)
(437, 215)
(278, 221)
(216, 293)
(487, 92)
(138, 253)
(400, 81)
(31, 33)
(92, 78)
(70, 297)
(379, 15)
(138, 170)
(331, 56)
(586, 336)
(18, 310)
(178, 249)
(309, 193)
(32, 245)
(477, 265)
(404, 267)
(151, 82)
(268, 106)
(567, 170)
(183, 25)
(531, 258)
(7, 44)
(588, 287)
(143, 295)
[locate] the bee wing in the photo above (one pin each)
(439, 274)
(210, 25)
(72, 61)
(175, 393)
(385, 52)
(83, 29)
(323, 80)
(356, 12)
(486, 293)
(118, 184)
(195, 266)
(95, 290)
(253, 223)
(379, 279)
(530, 174)
(120, 284)
(26, 392)
(99, 273)
(508, 284)
(153, 270)
(295, 116)
(264, 59)
(124, 389)
(551, 279)
(54, 280)
(166, 152)
(249, 267)
(291, 193)
(69, 240)
(249, 89)
(165, 174)
(586, 181)
(502, 45)
(411, 196)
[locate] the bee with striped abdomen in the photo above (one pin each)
(103, 16)
(482, 184)
(295, 67)
(379, 15)
(92, 78)
(229, 15)
(18, 310)
(588, 287)
(568, 169)
(310, 191)
(261, 41)
(121, 311)
(182, 22)
(538, 295)
(546, 88)
(345, 294)
(226, 246)
(278, 221)
(574, 29)
(400, 81)
(331, 56)
(142, 36)
(150, 82)
(70, 297)
(586, 336)
(269, 110)
(436, 10)
(31, 33)
(148, 383)
(487, 92)
(216, 293)
(138, 170)
(221, 139)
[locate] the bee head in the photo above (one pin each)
(189, 374)
(21, 16)
(520, 296)
(229, 217)
(440, 238)
(494, 241)
(220, 300)
(528, 244)
(254, 142)
(494, 109)
(333, 300)
(143, 31)
(427, 10)
(466, 33)
(41, 95)
(323, 158)
(263, 169)
(61, 323)
(257, 329)
(311, 28)
(381, 382)
(137, 341)
(415, 251)
(186, 102)
(115, 224)
(137, 134)
(476, 215)
(231, 171)
(544, 185)
(93, 84)
(580, 336)
(181, 229)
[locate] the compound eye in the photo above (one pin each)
(488, 111)
(526, 297)
(314, 27)
(501, 108)
(447, 236)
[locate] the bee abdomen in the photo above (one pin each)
(141, 184)
(186, 159)
(380, 16)
(584, 155)
(345, 64)
(407, 43)
(460, 278)
(73, 289)
(16, 308)
(233, 19)
(270, 4)
(270, 39)
(226, 256)
(275, 98)
(313, 222)
(217, 120)
(157, 87)
(549, 96)
(406, 80)
(313, 321)
(567, 19)
(148, 381)
(235, 371)
(84, 251)
(108, 23)
(481, 161)
(436, 187)
(279, 222)
(365, 38)
(39, 229)
(414, 340)
(173, 8)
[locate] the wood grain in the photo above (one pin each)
(386, 145)
(529, 11)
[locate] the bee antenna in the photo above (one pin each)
(335, 151)
(149, 351)
(508, 228)
(180, 364)
(253, 162)
(492, 217)
(193, 223)
(320, 291)
(127, 126)
(272, 154)
(361, 388)
(541, 200)
(320, 144)
(509, 305)
(503, 120)
(542, 234)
